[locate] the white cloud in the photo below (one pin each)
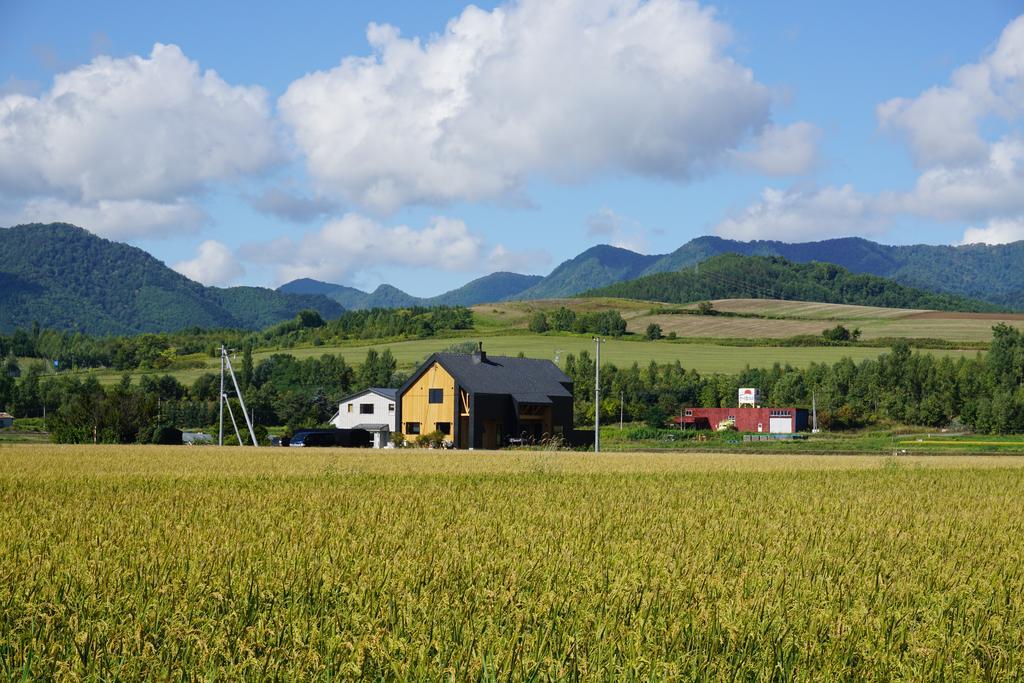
(797, 215)
(782, 151)
(116, 219)
(997, 231)
(567, 89)
(942, 124)
(355, 243)
(504, 259)
(134, 129)
(214, 264)
(290, 206)
(964, 177)
(990, 188)
(617, 229)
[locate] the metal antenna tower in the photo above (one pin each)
(225, 363)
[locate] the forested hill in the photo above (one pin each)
(66, 278)
(770, 277)
(989, 272)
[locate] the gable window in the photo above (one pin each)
(366, 409)
(443, 427)
(391, 407)
(435, 395)
(412, 427)
(350, 407)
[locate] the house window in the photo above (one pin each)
(689, 413)
(436, 396)
(350, 407)
(443, 427)
(412, 427)
(366, 409)
(391, 407)
(780, 413)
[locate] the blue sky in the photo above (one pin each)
(424, 144)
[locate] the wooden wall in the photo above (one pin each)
(417, 408)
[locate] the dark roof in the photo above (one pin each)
(527, 380)
(385, 392)
(381, 391)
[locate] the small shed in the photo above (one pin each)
(6, 420)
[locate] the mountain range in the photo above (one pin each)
(493, 287)
(66, 278)
(991, 273)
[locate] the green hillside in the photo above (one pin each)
(992, 273)
(66, 278)
(771, 277)
(596, 267)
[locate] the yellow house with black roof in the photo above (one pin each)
(481, 401)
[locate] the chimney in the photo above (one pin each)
(479, 356)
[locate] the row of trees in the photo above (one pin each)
(608, 323)
(985, 393)
(279, 390)
(161, 351)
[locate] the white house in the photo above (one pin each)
(372, 409)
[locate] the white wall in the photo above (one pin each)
(349, 415)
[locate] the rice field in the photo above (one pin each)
(171, 563)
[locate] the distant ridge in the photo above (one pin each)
(66, 278)
(487, 289)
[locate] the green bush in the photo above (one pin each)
(430, 440)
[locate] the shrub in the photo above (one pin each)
(539, 323)
(433, 439)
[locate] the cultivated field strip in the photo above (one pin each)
(180, 563)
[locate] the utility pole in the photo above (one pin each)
(622, 403)
(220, 399)
(814, 413)
(597, 397)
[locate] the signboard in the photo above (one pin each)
(749, 397)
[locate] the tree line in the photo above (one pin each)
(279, 390)
(984, 393)
(190, 347)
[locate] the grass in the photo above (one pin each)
(149, 562)
(875, 441)
(503, 328)
(705, 358)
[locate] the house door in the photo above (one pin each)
(760, 427)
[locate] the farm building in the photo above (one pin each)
(6, 420)
(482, 401)
(760, 420)
(372, 410)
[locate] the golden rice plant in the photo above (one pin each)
(162, 563)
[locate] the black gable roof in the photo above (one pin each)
(528, 380)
